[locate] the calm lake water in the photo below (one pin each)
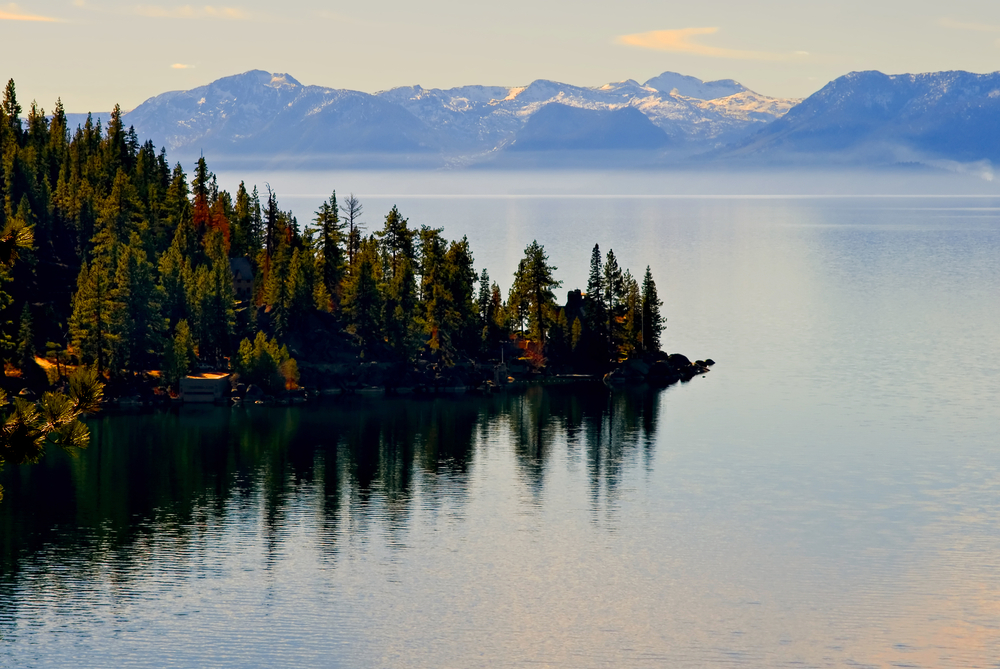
(828, 496)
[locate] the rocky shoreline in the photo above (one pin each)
(389, 378)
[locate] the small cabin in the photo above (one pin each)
(242, 279)
(204, 388)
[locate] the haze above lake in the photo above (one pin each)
(829, 495)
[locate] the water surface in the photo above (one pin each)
(828, 496)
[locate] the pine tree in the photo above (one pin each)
(399, 303)
(242, 216)
(614, 296)
(271, 222)
(26, 338)
(597, 308)
(138, 321)
(180, 357)
(536, 282)
(118, 219)
(632, 315)
(652, 321)
(12, 111)
(362, 301)
(277, 290)
(176, 208)
(352, 210)
(255, 234)
(331, 247)
(397, 240)
(94, 306)
(461, 279)
(301, 275)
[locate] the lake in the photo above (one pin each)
(828, 496)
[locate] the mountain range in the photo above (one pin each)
(860, 118)
(258, 114)
(874, 118)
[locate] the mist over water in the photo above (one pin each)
(829, 495)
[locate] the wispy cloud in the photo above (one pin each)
(182, 66)
(681, 41)
(190, 12)
(12, 12)
(962, 25)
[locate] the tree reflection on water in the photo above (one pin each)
(175, 472)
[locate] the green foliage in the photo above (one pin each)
(267, 364)
(352, 210)
(597, 306)
(534, 283)
(27, 427)
(137, 319)
(653, 322)
(25, 340)
(180, 355)
(95, 307)
(331, 247)
(151, 251)
(362, 300)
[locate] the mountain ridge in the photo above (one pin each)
(261, 113)
(861, 118)
(869, 116)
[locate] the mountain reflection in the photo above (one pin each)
(179, 472)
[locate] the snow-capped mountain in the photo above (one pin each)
(259, 113)
(264, 114)
(874, 118)
(709, 113)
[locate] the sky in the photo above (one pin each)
(96, 53)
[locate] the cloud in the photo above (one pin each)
(12, 12)
(679, 41)
(189, 12)
(182, 66)
(975, 27)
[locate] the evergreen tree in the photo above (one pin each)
(213, 301)
(176, 208)
(536, 281)
(53, 420)
(242, 223)
(362, 301)
(483, 301)
(352, 210)
(12, 111)
(399, 303)
(137, 321)
(633, 315)
(331, 247)
(461, 280)
(255, 234)
(271, 223)
(26, 338)
(302, 278)
(614, 297)
(118, 219)
(397, 240)
(597, 308)
(94, 306)
(266, 363)
(277, 290)
(652, 320)
(180, 356)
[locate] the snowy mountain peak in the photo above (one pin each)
(691, 87)
(280, 79)
(261, 112)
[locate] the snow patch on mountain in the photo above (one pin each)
(259, 111)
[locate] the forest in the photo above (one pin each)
(126, 265)
(118, 272)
